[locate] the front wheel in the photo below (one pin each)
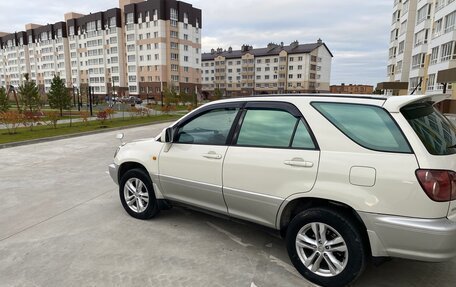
(137, 194)
(326, 247)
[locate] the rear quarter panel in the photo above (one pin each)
(396, 190)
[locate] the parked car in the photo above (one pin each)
(134, 100)
(343, 178)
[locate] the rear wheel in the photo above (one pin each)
(326, 247)
(137, 194)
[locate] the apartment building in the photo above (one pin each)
(95, 49)
(13, 58)
(163, 47)
(422, 50)
(351, 89)
(47, 50)
(296, 68)
(139, 49)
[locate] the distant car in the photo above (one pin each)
(133, 100)
(344, 178)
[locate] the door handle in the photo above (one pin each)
(299, 162)
(212, 155)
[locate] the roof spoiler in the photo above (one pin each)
(394, 104)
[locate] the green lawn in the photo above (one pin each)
(24, 134)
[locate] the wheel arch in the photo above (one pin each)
(300, 204)
(128, 165)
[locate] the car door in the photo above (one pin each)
(191, 170)
(273, 156)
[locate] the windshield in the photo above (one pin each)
(435, 131)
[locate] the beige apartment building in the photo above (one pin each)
(139, 49)
(422, 51)
(296, 68)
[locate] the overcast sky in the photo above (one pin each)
(356, 31)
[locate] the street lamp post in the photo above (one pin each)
(74, 96)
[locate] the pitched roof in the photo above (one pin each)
(271, 50)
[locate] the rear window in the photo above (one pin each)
(369, 126)
(434, 130)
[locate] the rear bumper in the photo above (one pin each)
(412, 238)
(113, 172)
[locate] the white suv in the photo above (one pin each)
(343, 178)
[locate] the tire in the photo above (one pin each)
(338, 259)
(139, 204)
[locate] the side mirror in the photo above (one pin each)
(120, 137)
(167, 135)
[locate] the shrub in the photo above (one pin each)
(30, 118)
(102, 116)
(11, 120)
(110, 112)
(168, 108)
(85, 117)
(53, 118)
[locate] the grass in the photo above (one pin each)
(24, 133)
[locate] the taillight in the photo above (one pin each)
(439, 185)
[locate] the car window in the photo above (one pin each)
(210, 128)
(369, 126)
(272, 128)
(302, 138)
(435, 131)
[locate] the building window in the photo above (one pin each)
(421, 37)
(446, 51)
(399, 67)
(173, 14)
(430, 82)
(437, 30)
(401, 47)
(130, 18)
(450, 21)
(423, 13)
(434, 55)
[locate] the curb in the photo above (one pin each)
(55, 138)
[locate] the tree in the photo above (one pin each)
(217, 94)
(4, 102)
(29, 95)
(58, 95)
(170, 97)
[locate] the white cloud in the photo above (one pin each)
(356, 31)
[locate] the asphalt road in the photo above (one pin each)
(61, 224)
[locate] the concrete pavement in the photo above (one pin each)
(62, 224)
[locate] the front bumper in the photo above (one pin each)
(114, 172)
(412, 238)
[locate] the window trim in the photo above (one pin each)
(205, 110)
(278, 106)
(359, 144)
